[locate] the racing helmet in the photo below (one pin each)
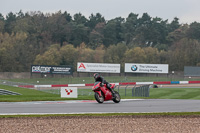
(96, 75)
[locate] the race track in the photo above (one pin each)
(91, 106)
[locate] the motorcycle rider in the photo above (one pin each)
(99, 78)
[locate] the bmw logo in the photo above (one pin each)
(134, 68)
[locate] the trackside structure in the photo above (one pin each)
(124, 83)
(6, 92)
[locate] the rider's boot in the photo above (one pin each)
(112, 91)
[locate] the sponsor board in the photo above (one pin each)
(51, 69)
(192, 71)
(68, 92)
(146, 68)
(98, 67)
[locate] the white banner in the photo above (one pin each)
(98, 67)
(69, 92)
(146, 68)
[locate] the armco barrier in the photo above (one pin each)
(24, 85)
(139, 89)
(194, 82)
(122, 84)
(162, 82)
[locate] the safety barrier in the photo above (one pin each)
(141, 91)
(135, 91)
(121, 84)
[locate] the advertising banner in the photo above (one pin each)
(69, 92)
(51, 69)
(98, 67)
(146, 68)
(192, 71)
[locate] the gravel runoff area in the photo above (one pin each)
(101, 124)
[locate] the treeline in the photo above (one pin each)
(61, 39)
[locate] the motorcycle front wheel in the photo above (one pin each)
(117, 97)
(99, 99)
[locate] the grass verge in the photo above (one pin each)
(173, 114)
(87, 94)
(33, 95)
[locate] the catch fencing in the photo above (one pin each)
(135, 91)
(16, 84)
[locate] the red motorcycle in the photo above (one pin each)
(102, 93)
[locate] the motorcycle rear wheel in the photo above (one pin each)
(117, 98)
(99, 99)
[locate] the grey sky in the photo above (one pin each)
(186, 10)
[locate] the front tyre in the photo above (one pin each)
(117, 98)
(99, 99)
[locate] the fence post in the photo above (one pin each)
(133, 91)
(143, 91)
(125, 89)
(148, 90)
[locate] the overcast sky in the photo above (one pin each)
(186, 10)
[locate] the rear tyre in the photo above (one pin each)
(99, 99)
(116, 98)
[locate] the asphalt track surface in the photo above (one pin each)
(91, 106)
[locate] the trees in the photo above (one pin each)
(115, 53)
(2, 23)
(13, 55)
(80, 31)
(194, 31)
(79, 34)
(150, 31)
(184, 53)
(58, 28)
(177, 34)
(113, 31)
(143, 31)
(135, 55)
(174, 24)
(96, 36)
(50, 57)
(94, 20)
(99, 54)
(85, 54)
(129, 29)
(6, 55)
(152, 55)
(10, 22)
(27, 38)
(69, 55)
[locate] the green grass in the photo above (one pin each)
(87, 94)
(175, 93)
(33, 95)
